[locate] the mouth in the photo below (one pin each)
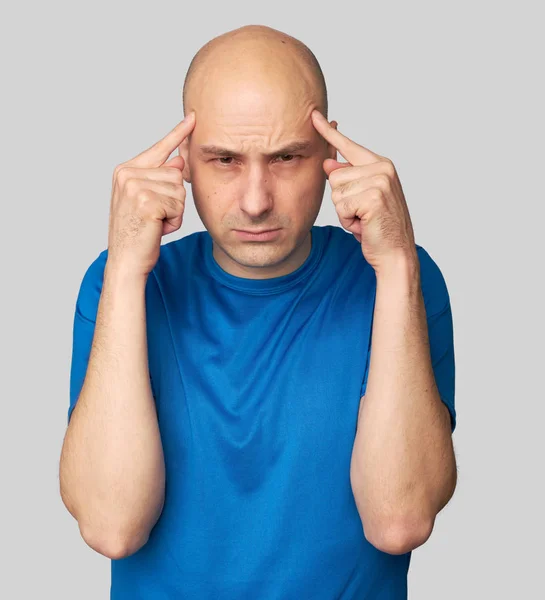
(259, 235)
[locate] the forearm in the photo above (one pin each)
(403, 470)
(112, 467)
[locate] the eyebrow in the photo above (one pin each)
(297, 146)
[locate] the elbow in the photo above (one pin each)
(119, 540)
(398, 537)
(114, 546)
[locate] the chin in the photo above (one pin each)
(253, 256)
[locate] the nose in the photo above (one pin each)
(256, 197)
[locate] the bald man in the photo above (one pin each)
(220, 447)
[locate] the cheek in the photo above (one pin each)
(204, 180)
(306, 183)
(213, 200)
(213, 180)
(212, 197)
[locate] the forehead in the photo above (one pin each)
(293, 147)
(253, 117)
(237, 134)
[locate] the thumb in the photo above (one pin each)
(176, 161)
(330, 164)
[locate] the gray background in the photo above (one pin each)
(452, 93)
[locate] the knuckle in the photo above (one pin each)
(383, 181)
(172, 189)
(118, 168)
(121, 174)
(347, 187)
(143, 196)
(389, 167)
(171, 203)
(376, 196)
(333, 178)
(181, 191)
(345, 206)
(177, 175)
(132, 186)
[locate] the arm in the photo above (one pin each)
(112, 473)
(403, 469)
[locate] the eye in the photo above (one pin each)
(282, 156)
(289, 156)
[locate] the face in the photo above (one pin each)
(254, 161)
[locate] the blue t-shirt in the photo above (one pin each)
(257, 384)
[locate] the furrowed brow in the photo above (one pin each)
(292, 148)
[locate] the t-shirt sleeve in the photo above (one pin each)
(440, 332)
(84, 325)
(366, 373)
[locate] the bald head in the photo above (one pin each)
(255, 55)
(254, 158)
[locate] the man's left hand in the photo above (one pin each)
(368, 199)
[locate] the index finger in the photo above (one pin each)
(157, 154)
(348, 149)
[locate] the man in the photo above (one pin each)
(231, 435)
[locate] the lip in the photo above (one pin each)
(261, 236)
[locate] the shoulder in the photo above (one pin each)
(94, 275)
(341, 245)
(183, 244)
(179, 256)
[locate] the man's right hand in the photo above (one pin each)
(148, 201)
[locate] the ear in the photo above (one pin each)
(183, 151)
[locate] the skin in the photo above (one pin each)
(254, 106)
